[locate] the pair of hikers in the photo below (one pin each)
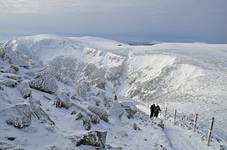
(154, 111)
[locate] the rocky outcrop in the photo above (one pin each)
(92, 138)
(45, 83)
(99, 112)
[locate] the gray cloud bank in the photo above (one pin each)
(126, 20)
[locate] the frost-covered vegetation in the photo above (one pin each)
(58, 93)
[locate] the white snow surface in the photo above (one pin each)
(189, 77)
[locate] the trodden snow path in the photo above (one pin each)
(180, 138)
(185, 139)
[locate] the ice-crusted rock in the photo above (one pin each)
(40, 114)
(12, 69)
(11, 76)
(92, 138)
(82, 89)
(99, 112)
(9, 82)
(44, 82)
(130, 108)
(109, 147)
(63, 101)
(94, 118)
(116, 110)
(65, 69)
(86, 123)
(95, 99)
(78, 115)
(25, 89)
(19, 116)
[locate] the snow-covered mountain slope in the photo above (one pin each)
(58, 87)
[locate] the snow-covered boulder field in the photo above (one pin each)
(59, 93)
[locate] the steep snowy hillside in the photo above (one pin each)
(58, 93)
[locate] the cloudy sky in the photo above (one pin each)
(125, 20)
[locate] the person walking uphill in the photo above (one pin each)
(152, 110)
(156, 111)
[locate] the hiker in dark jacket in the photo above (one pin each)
(156, 111)
(152, 110)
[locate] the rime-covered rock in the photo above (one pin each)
(130, 108)
(82, 89)
(40, 114)
(44, 82)
(12, 69)
(19, 116)
(25, 89)
(99, 112)
(78, 115)
(92, 138)
(86, 123)
(63, 101)
(9, 82)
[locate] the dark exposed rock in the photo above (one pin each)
(11, 138)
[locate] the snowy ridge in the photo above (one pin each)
(72, 82)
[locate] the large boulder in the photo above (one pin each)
(130, 108)
(45, 83)
(24, 89)
(19, 116)
(92, 138)
(99, 112)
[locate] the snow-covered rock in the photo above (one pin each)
(25, 89)
(92, 138)
(99, 112)
(130, 108)
(18, 116)
(8, 82)
(44, 82)
(63, 100)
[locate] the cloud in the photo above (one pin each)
(155, 19)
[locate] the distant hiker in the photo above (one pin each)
(152, 108)
(115, 97)
(156, 111)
